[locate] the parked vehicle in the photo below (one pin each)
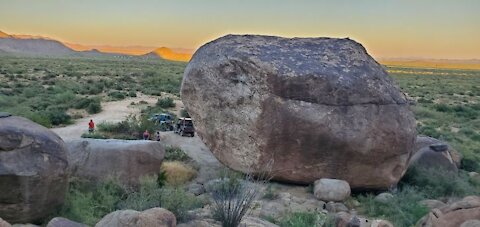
(164, 120)
(184, 126)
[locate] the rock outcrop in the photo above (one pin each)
(33, 170)
(317, 107)
(130, 218)
(454, 214)
(432, 153)
(124, 160)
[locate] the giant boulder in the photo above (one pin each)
(316, 107)
(124, 160)
(33, 170)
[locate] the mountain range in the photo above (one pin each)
(44, 46)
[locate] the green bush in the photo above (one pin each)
(166, 102)
(436, 183)
(58, 117)
(94, 107)
(151, 194)
(87, 204)
(173, 153)
(94, 135)
(117, 95)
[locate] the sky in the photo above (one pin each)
(387, 28)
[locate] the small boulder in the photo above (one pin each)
(381, 223)
(344, 219)
(331, 190)
(383, 197)
(125, 160)
(63, 222)
(33, 170)
(333, 207)
(432, 153)
(158, 217)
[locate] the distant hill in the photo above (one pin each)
(169, 54)
(4, 35)
(34, 47)
(44, 46)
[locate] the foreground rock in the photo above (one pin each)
(454, 214)
(433, 153)
(158, 217)
(33, 170)
(63, 222)
(125, 160)
(317, 107)
(331, 190)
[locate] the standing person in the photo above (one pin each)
(91, 126)
(146, 135)
(157, 136)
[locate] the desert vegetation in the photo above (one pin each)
(447, 107)
(54, 91)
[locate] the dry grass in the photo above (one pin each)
(178, 173)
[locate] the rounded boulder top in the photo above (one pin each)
(314, 107)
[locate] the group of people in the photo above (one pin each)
(146, 134)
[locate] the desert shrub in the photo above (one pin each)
(94, 135)
(117, 95)
(435, 182)
(233, 196)
(306, 219)
(166, 102)
(402, 210)
(471, 163)
(150, 195)
(179, 202)
(94, 107)
(58, 117)
(82, 103)
(132, 94)
(87, 204)
(177, 173)
(130, 128)
(173, 153)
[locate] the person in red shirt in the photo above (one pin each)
(146, 135)
(91, 126)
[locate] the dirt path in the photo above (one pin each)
(115, 111)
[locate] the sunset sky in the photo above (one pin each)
(387, 28)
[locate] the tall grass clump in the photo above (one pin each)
(233, 196)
